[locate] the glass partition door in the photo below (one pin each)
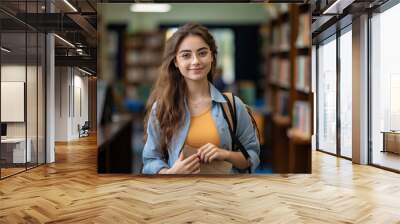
(326, 90)
(346, 93)
(22, 77)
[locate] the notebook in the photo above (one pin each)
(215, 167)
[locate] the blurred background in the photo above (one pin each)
(263, 57)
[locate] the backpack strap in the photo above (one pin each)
(232, 123)
(227, 108)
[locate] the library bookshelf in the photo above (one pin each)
(142, 58)
(288, 77)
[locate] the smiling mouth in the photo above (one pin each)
(196, 69)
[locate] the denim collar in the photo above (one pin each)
(216, 95)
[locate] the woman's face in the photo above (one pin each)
(194, 58)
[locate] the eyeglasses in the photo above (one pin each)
(188, 55)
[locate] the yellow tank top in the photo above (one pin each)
(202, 130)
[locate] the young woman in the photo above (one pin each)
(183, 109)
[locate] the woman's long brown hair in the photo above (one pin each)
(170, 90)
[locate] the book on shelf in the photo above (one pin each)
(151, 57)
(303, 73)
(284, 73)
(274, 70)
(134, 41)
(285, 37)
(283, 103)
(143, 57)
(133, 57)
(303, 36)
(302, 117)
(280, 72)
(155, 40)
(276, 38)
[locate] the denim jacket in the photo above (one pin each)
(153, 158)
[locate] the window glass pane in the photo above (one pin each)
(224, 39)
(14, 151)
(327, 96)
(23, 85)
(31, 98)
(385, 88)
(345, 94)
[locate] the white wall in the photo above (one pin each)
(61, 103)
(71, 87)
(12, 73)
(82, 82)
(80, 93)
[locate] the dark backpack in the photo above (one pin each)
(230, 107)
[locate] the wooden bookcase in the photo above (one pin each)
(142, 57)
(288, 76)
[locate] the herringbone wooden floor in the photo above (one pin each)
(70, 191)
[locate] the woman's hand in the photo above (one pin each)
(209, 152)
(189, 165)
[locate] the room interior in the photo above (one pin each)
(50, 86)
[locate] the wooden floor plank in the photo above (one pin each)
(70, 191)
